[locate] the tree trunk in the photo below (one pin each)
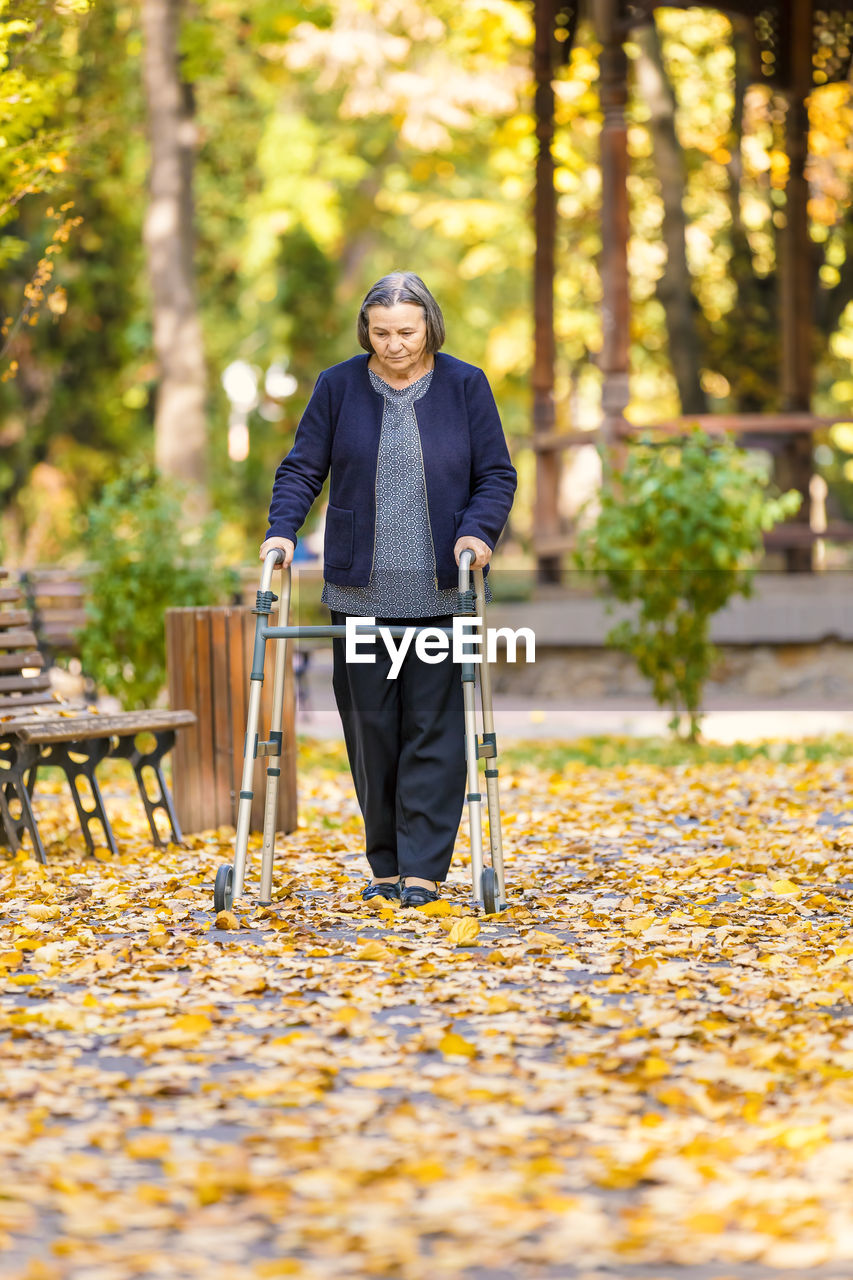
(757, 304)
(180, 429)
(675, 286)
(546, 519)
(795, 467)
(614, 360)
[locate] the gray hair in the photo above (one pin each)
(402, 286)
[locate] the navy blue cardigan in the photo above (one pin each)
(470, 481)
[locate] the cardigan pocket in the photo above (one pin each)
(338, 539)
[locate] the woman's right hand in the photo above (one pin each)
(273, 544)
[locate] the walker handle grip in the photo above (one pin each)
(272, 559)
(466, 559)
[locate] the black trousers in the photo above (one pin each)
(405, 741)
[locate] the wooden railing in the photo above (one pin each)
(753, 430)
(752, 424)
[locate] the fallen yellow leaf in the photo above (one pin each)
(41, 911)
(226, 920)
(640, 924)
(464, 932)
(784, 886)
(441, 907)
(654, 1068)
(797, 1136)
(194, 1022)
(270, 1268)
(148, 1146)
(455, 1046)
(373, 950)
(538, 939)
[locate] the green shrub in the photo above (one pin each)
(677, 535)
(147, 555)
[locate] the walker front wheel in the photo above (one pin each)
(223, 888)
(489, 884)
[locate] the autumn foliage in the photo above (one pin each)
(645, 1061)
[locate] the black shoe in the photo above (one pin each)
(417, 896)
(389, 891)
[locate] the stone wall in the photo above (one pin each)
(804, 673)
(792, 639)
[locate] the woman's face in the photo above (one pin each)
(398, 335)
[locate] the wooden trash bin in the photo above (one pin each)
(209, 659)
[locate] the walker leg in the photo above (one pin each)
(495, 838)
(275, 747)
(244, 804)
(475, 799)
(491, 772)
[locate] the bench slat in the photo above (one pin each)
(18, 638)
(86, 725)
(56, 598)
(10, 593)
(39, 591)
(16, 661)
(69, 622)
(55, 573)
(11, 703)
(14, 618)
(26, 684)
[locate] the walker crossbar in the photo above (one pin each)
(488, 881)
(338, 633)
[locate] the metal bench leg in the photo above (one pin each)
(141, 760)
(18, 766)
(90, 753)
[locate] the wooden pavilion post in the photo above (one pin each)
(546, 517)
(615, 223)
(796, 291)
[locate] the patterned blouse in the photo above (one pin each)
(403, 581)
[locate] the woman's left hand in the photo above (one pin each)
(482, 551)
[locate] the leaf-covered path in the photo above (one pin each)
(643, 1069)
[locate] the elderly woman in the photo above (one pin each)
(419, 470)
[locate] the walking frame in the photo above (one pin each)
(488, 883)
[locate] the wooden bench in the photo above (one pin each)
(55, 599)
(36, 731)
